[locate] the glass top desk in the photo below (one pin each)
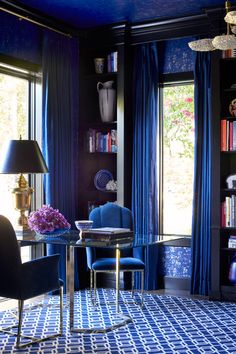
(71, 240)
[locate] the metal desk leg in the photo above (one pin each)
(70, 281)
(117, 279)
(70, 291)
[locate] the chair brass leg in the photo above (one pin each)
(117, 279)
(132, 291)
(91, 285)
(142, 287)
(95, 288)
(61, 309)
(20, 313)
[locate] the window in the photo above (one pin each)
(177, 156)
(20, 109)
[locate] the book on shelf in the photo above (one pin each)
(112, 62)
(97, 141)
(228, 212)
(223, 135)
(229, 53)
(228, 135)
(232, 241)
(113, 140)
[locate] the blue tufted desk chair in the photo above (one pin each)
(101, 260)
(22, 281)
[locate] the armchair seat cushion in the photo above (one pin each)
(126, 263)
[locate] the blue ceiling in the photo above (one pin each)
(90, 13)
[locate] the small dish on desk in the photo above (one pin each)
(84, 224)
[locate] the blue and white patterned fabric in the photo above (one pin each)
(175, 262)
(166, 324)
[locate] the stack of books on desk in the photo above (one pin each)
(108, 234)
(232, 241)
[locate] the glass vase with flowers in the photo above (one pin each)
(48, 222)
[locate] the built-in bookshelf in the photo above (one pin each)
(98, 141)
(224, 236)
(104, 144)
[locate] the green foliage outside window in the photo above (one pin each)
(178, 120)
(178, 158)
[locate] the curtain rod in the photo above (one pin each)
(21, 17)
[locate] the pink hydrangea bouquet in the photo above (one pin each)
(47, 219)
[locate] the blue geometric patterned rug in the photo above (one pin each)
(166, 324)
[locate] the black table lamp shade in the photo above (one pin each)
(23, 156)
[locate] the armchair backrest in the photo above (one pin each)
(10, 258)
(109, 215)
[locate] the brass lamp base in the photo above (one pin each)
(22, 200)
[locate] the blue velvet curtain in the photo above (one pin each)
(201, 227)
(144, 180)
(60, 117)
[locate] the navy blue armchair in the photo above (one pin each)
(101, 260)
(22, 281)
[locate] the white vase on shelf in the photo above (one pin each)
(107, 100)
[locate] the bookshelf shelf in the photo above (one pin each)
(228, 289)
(101, 76)
(229, 228)
(102, 152)
(229, 190)
(230, 89)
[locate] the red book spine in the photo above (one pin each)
(109, 141)
(223, 135)
(231, 136)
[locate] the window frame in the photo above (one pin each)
(32, 73)
(165, 81)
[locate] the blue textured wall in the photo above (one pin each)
(20, 39)
(23, 40)
(176, 56)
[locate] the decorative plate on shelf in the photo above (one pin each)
(232, 108)
(101, 179)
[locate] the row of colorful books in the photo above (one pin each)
(229, 53)
(228, 135)
(112, 62)
(98, 141)
(228, 212)
(232, 241)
